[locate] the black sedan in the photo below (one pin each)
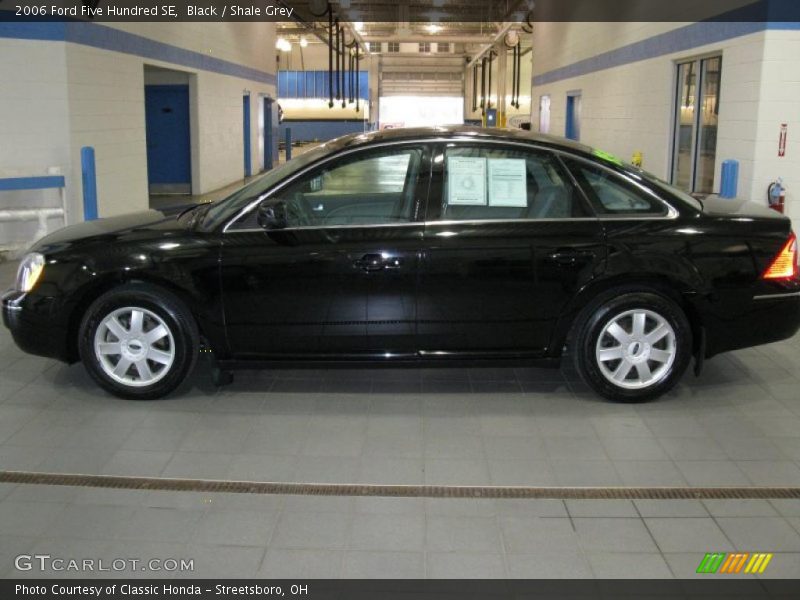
(445, 245)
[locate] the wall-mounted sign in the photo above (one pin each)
(782, 140)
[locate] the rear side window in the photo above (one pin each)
(486, 183)
(612, 195)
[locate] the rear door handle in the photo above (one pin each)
(571, 257)
(377, 262)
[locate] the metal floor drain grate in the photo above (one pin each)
(399, 491)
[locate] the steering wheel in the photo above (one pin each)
(298, 212)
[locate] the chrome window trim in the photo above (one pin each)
(672, 212)
(777, 296)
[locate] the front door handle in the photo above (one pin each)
(377, 262)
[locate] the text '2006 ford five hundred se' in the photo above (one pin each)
(417, 246)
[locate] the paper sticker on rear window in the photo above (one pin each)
(466, 181)
(507, 182)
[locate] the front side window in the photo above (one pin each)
(612, 195)
(376, 187)
(483, 183)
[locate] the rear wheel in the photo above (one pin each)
(138, 342)
(633, 347)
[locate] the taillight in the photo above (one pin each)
(784, 265)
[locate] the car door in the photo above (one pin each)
(339, 278)
(508, 240)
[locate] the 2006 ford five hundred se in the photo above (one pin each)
(436, 245)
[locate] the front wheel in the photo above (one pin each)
(138, 342)
(633, 347)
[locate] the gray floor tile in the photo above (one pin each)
(770, 533)
(234, 527)
(198, 465)
(456, 471)
(160, 524)
(387, 532)
(712, 473)
(740, 508)
(601, 508)
(137, 463)
(220, 561)
(311, 530)
(585, 473)
(395, 471)
(282, 563)
(649, 473)
(601, 533)
(28, 518)
(618, 565)
(458, 534)
(564, 564)
(262, 467)
(671, 508)
(634, 448)
(538, 535)
(383, 565)
(683, 535)
(464, 565)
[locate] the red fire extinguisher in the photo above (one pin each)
(776, 195)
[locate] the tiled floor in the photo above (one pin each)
(738, 424)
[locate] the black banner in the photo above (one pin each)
(443, 11)
(204, 589)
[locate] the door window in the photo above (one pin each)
(611, 195)
(696, 118)
(482, 183)
(369, 188)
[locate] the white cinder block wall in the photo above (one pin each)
(85, 87)
(629, 106)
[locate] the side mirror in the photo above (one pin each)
(271, 214)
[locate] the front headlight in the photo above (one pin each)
(30, 269)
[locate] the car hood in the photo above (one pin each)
(150, 223)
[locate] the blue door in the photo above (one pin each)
(248, 169)
(167, 129)
(573, 127)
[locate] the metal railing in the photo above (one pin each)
(40, 214)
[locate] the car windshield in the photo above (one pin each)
(221, 210)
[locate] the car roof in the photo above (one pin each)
(458, 131)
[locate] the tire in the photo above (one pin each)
(159, 358)
(632, 346)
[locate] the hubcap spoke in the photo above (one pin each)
(137, 321)
(643, 371)
(145, 374)
(658, 334)
(109, 348)
(661, 356)
(608, 354)
(155, 334)
(115, 327)
(618, 333)
(622, 370)
(639, 319)
(159, 356)
(122, 367)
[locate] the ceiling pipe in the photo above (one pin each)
(503, 30)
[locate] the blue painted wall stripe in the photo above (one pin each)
(13, 184)
(107, 38)
(677, 40)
